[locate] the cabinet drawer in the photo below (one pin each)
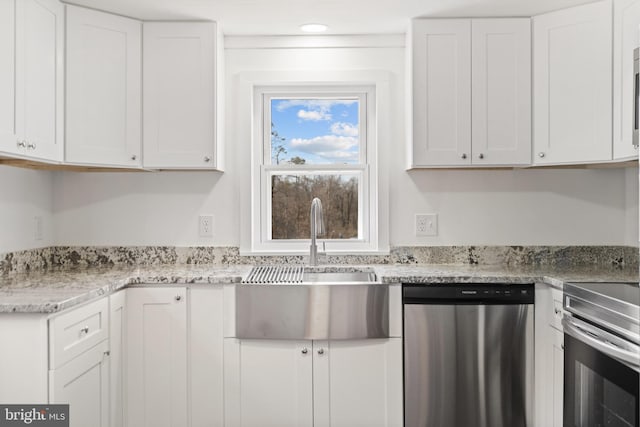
(555, 317)
(76, 331)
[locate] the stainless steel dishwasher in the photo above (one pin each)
(468, 355)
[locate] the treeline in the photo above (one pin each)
(291, 203)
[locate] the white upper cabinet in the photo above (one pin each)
(39, 78)
(441, 58)
(572, 85)
(103, 89)
(471, 92)
(626, 19)
(501, 91)
(179, 95)
(8, 137)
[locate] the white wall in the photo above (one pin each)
(24, 195)
(632, 214)
(145, 208)
(522, 207)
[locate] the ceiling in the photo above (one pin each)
(282, 17)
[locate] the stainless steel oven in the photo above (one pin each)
(602, 355)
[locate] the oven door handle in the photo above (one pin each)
(598, 340)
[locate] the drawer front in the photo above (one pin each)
(555, 317)
(76, 331)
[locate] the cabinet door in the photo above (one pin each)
(103, 88)
(117, 336)
(8, 137)
(206, 353)
(268, 383)
(626, 19)
(156, 357)
(558, 377)
(441, 52)
(83, 383)
(572, 84)
(179, 95)
(501, 91)
(40, 77)
(358, 383)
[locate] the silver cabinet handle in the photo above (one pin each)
(305, 351)
(541, 154)
(207, 159)
(22, 144)
(31, 146)
(321, 351)
(464, 156)
(562, 346)
(178, 297)
(481, 156)
(84, 330)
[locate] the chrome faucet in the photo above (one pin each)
(317, 227)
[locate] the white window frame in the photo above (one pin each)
(262, 169)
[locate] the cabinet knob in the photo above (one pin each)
(31, 146)
(207, 159)
(562, 346)
(481, 156)
(557, 311)
(22, 144)
(464, 156)
(321, 351)
(178, 297)
(305, 351)
(541, 154)
(134, 157)
(84, 330)
(107, 353)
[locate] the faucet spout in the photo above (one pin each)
(317, 227)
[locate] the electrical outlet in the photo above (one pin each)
(205, 226)
(37, 227)
(426, 224)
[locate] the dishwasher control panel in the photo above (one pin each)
(477, 293)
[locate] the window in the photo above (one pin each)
(315, 142)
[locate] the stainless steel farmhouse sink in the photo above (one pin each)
(313, 305)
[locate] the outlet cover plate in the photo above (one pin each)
(427, 224)
(205, 226)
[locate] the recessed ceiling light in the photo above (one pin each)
(313, 28)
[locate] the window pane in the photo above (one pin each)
(291, 203)
(315, 131)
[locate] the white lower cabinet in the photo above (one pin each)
(117, 337)
(83, 383)
(157, 357)
(174, 357)
(313, 383)
(549, 356)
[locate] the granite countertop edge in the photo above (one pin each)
(53, 292)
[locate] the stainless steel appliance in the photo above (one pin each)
(468, 355)
(636, 95)
(601, 354)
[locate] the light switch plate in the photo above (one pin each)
(427, 224)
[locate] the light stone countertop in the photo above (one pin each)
(54, 291)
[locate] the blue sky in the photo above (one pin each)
(318, 130)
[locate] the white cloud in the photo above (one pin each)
(314, 115)
(333, 148)
(312, 104)
(345, 129)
